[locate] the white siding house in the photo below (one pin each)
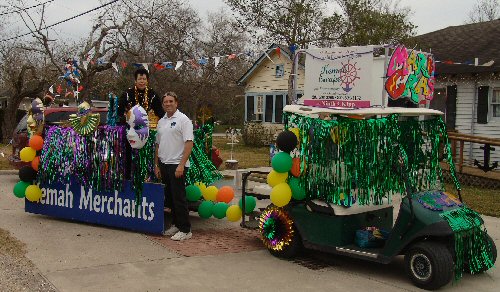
(468, 80)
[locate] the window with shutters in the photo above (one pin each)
(495, 103)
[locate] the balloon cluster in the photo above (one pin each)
(216, 202)
(285, 186)
(25, 187)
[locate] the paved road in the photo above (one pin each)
(83, 257)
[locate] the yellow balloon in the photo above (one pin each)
(33, 193)
(27, 154)
(233, 213)
(274, 178)
(201, 185)
(296, 131)
(281, 194)
(210, 193)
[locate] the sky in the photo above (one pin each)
(428, 15)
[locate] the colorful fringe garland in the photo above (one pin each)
(472, 246)
(360, 158)
(96, 161)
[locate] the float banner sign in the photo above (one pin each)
(117, 209)
(340, 77)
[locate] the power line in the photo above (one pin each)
(59, 22)
(23, 9)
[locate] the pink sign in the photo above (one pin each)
(337, 103)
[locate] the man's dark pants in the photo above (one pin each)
(175, 196)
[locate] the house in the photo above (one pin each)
(266, 85)
(266, 93)
(467, 85)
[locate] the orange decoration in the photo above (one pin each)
(295, 167)
(225, 194)
(36, 142)
(35, 163)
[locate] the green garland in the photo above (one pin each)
(344, 157)
(472, 247)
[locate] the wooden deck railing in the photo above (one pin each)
(462, 138)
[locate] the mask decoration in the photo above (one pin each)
(84, 122)
(35, 117)
(138, 132)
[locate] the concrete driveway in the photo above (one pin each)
(82, 257)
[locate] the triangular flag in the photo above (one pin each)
(146, 66)
(194, 64)
(178, 65)
(278, 52)
(203, 61)
(124, 64)
(115, 66)
(168, 65)
(158, 66)
(216, 61)
(85, 64)
(80, 88)
(59, 89)
(489, 63)
(51, 89)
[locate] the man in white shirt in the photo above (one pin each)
(174, 142)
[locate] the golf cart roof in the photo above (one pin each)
(363, 112)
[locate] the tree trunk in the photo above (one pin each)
(9, 121)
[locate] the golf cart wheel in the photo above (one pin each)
(278, 233)
(429, 265)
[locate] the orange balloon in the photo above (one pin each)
(295, 167)
(36, 142)
(225, 194)
(35, 163)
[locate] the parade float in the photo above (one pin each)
(345, 156)
(78, 169)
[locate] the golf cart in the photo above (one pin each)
(351, 164)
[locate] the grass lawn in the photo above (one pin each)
(247, 156)
(485, 201)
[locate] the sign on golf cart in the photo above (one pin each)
(359, 77)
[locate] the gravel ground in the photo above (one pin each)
(17, 273)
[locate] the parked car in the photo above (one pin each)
(53, 115)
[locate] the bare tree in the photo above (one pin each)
(484, 10)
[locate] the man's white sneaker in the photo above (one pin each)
(181, 236)
(171, 231)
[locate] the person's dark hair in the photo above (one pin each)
(141, 71)
(172, 94)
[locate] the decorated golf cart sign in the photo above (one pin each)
(354, 77)
(333, 192)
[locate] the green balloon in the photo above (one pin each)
(220, 210)
(193, 193)
(20, 189)
(250, 204)
(298, 193)
(282, 162)
(205, 209)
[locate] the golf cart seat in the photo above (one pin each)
(333, 209)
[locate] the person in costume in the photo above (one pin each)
(143, 95)
(174, 143)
